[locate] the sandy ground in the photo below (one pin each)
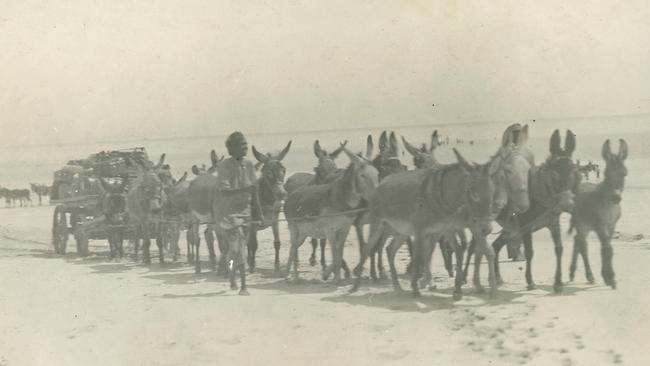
(72, 311)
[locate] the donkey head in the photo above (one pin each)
(516, 161)
(423, 157)
(387, 162)
(326, 165)
(615, 170)
(273, 171)
(561, 175)
(114, 199)
(360, 178)
(480, 190)
(215, 161)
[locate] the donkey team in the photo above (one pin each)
(433, 205)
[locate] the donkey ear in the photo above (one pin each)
(383, 142)
(495, 164)
(607, 150)
(260, 157)
(336, 152)
(284, 151)
(507, 137)
(523, 136)
(435, 142)
(354, 159)
(160, 162)
(410, 148)
(555, 143)
(195, 169)
(463, 163)
(214, 158)
(318, 151)
(622, 149)
(569, 142)
(370, 146)
(394, 146)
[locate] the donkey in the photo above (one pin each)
(386, 163)
(176, 213)
(144, 202)
(428, 203)
(325, 172)
(200, 201)
(270, 192)
(22, 195)
(551, 190)
(113, 207)
(327, 211)
(598, 208)
(40, 190)
(423, 158)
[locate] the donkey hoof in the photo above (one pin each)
(480, 290)
(357, 271)
(591, 281)
(383, 276)
(499, 281)
(347, 275)
(312, 261)
(558, 288)
(244, 292)
(613, 284)
(531, 286)
(197, 270)
(493, 294)
(458, 295)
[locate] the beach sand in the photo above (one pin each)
(72, 311)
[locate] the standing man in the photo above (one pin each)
(235, 193)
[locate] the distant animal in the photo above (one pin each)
(40, 190)
(23, 196)
(598, 208)
(327, 211)
(270, 193)
(585, 170)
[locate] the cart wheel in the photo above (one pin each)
(60, 230)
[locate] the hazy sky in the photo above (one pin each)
(82, 69)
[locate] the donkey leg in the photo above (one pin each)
(196, 244)
(209, 241)
(375, 235)
(160, 244)
(391, 251)
(417, 263)
(584, 252)
(146, 244)
(478, 257)
(574, 258)
(460, 279)
(426, 263)
(252, 247)
(497, 244)
(557, 241)
(607, 252)
(380, 261)
(323, 261)
(527, 238)
(314, 247)
(277, 244)
(223, 251)
(470, 252)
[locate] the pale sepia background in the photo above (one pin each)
(77, 77)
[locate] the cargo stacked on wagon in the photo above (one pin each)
(77, 192)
